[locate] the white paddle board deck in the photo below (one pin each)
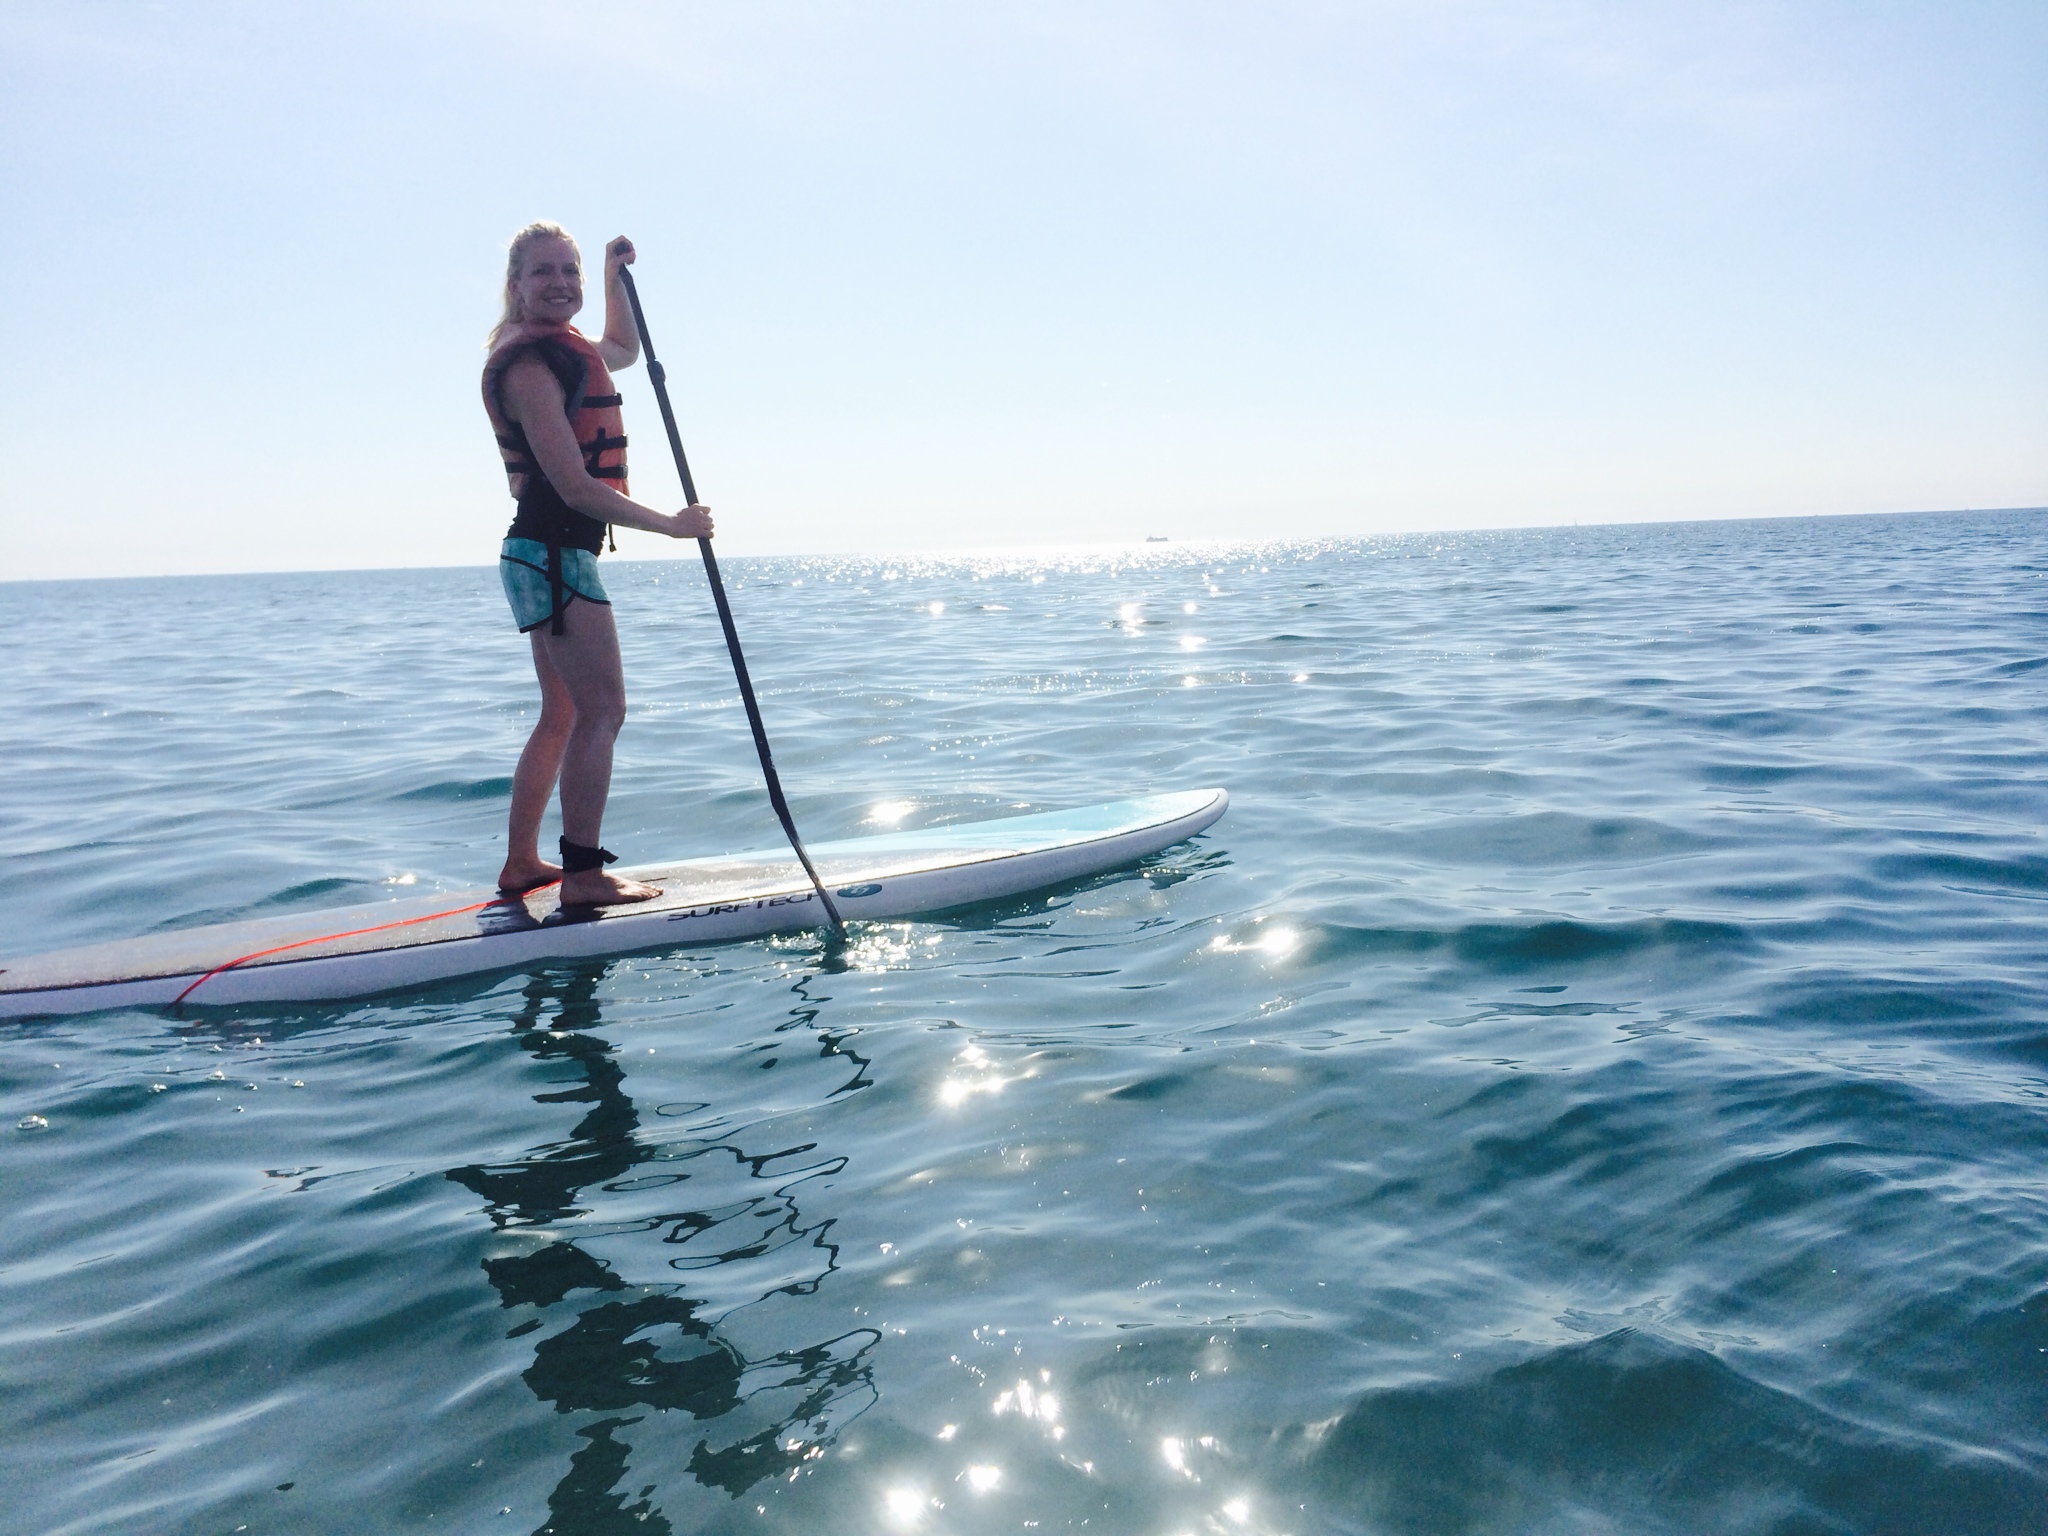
(356, 951)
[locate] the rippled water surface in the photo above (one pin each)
(1593, 1080)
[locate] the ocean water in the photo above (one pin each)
(1594, 1080)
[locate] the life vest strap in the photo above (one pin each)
(599, 402)
(595, 450)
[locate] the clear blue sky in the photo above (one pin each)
(939, 275)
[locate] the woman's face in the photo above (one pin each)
(550, 282)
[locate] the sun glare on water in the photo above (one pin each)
(1274, 942)
(974, 1074)
(904, 1508)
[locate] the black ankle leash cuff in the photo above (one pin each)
(576, 857)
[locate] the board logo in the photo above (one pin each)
(758, 904)
(857, 890)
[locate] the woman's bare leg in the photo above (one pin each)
(533, 781)
(586, 658)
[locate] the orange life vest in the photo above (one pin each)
(588, 392)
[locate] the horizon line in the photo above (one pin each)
(1149, 543)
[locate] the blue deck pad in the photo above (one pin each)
(1019, 834)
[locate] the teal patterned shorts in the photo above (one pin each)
(523, 567)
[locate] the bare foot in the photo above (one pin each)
(522, 875)
(595, 888)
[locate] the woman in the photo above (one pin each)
(549, 393)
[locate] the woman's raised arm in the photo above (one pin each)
(620, 344)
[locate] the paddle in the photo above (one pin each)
(659, 375)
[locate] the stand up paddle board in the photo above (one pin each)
(355, 951)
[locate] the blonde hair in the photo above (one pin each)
(515, 258)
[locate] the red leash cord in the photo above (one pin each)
(353, 933)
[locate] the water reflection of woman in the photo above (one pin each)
(617, 1342)
(549, 393)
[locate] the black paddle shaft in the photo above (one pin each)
(659, 375)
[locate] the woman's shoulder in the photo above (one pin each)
(520, 349)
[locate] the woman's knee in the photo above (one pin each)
(605, 714)
(557, 720)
